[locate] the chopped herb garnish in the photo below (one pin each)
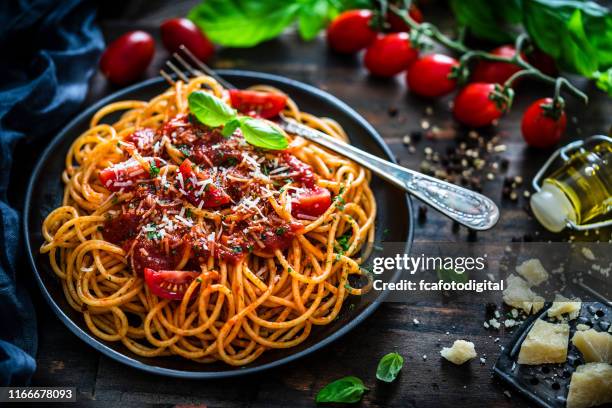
(281, 230)
(153, 170)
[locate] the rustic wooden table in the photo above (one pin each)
(64, 360)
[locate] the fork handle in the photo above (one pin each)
(465, 206)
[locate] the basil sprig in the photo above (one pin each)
(213, 112)
(389, 367)
(347, 389)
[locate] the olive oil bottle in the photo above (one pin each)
(579, 191)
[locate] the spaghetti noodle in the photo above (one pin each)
(176, 240)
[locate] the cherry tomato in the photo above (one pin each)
(127, 58)
(169, 284)
(312, 202)
(177, 31)
(201, 194)
(474, 107)
(397, 25)
(125, 175)
(539, 128)
(350, 31)
(429, 75)
(390, 54)
(260, 104)
(543, 62)
(493, 71)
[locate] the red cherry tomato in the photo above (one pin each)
(260, 104)
(390, 54)
(539, 128)
(125, 175)
(397, 25)
(474, 107)
(203, 194)
(543, 62)
(127, 58)
(312, 203)
(350, 31)
(177, 31)
(429, 75)
(496, 72)
(169, 284)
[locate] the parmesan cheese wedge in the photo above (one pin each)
(545, 343)
(533, 271)
(460, 352)
(518, 294)
(563, 305)
(591, 385)
(595, 346)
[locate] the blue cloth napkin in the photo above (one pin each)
(49, 51)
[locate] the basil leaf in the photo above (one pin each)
(209, 109)
(347, 389)
(262, 134)
(389, 367)
(578, 35)
(489, 19)
(313, 17)
(603, 80)
(230, 127)
(243, 23)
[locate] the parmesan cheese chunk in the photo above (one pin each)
(563, 305)
(518, 294)
(545, 343)
(595, 346)
(460, 352)
(533, 271)
(591, 385)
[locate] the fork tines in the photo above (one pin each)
(183, 68)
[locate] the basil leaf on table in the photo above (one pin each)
(243, 23)
(262, 134)
(486, 18)
(389, 367)
(209, 109)
(603, 80)
(348, 389)
(313, 16)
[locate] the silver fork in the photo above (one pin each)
(467, 207)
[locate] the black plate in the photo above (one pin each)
(45, 192)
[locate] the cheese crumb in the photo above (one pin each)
(533, 271)
(591, 385)
(563, 305)
(595, 346)
(518, 294)
(545, 343)
(460, 352)
(588, 254)
(582, 327)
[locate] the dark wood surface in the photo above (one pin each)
(64, 360)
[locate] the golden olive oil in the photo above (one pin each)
(586, 180)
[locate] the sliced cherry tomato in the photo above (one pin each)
(474, 107)
(390, 54)
(169, 284)
(125, 175)
(280, 237)
(181, 31)
(350, 31)
(304, 171)
(397, 25)
(200, 194)
(258, 104)
(493, 71)
(127, 58)
(429, 75)
(540, 129)
(312, 203)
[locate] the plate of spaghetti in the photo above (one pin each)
(178, 230)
